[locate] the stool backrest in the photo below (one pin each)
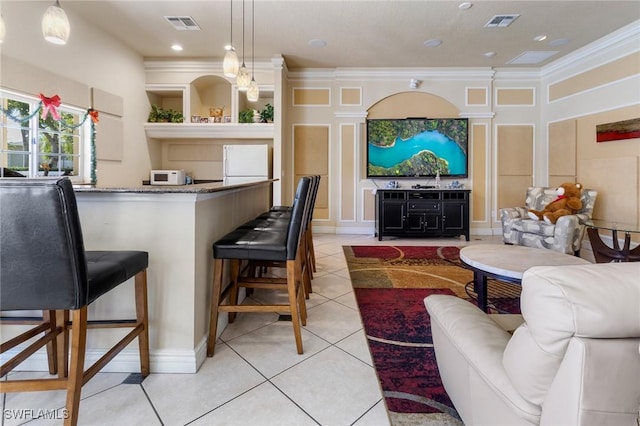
(42, 259)
(296, 223)
(313, 193)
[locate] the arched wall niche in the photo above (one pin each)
(413, 104)
(210, 91)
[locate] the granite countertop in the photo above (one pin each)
(199, 188)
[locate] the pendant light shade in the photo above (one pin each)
(253, 92)
(244, 79)
(3, 29)
(230, 65)
(55, 25)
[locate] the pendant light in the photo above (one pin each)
(243, 78)
(55, 25)
(230, 64)
(3, 29)
(253, 92)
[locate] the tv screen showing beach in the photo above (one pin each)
(416, 147)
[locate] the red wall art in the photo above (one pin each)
(627, 129)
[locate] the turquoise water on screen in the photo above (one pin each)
(433, 141)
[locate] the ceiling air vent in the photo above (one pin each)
(182, 23)
(532, 57)
(500, 21)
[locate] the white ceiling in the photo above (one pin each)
(358, 33)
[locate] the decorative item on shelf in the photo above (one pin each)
(266, 115)
(195, 118)
(256, 116)
(438, 179)
(55, 25)
(245, 116)
(226, 119)
(216, 113)
(159, 115)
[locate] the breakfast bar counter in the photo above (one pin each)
(177, 225)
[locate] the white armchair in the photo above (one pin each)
(573, 361)
(565, 236)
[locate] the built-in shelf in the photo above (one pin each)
(209, 130)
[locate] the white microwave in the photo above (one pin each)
(167, 177)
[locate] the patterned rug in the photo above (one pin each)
(390, 284)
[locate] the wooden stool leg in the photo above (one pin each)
(216, 290)
(293, 302)
(142, 317)
(62, 318)
(76, 369)
(234, 272)
(52, 346)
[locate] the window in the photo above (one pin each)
(35, 147)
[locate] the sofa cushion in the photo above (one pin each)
(559, 302)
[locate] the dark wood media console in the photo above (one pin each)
(422, 212)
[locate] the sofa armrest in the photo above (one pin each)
(569, 232)
(508, 213)
(462, 327)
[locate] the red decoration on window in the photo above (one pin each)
(50, 106)
(94, 115)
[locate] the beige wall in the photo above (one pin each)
(103, 63)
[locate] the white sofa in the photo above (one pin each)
(573, 361)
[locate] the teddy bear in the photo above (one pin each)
(568, 202)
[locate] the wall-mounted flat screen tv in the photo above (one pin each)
(417, 147)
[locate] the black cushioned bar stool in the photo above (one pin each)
(278, 219)
(44, 267)
(279, 211)
(275, 244)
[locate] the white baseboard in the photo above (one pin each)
(127, 361)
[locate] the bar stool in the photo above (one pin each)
(44, 267)
(262, 244)
(280, 219)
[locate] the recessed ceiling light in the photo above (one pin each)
(434, 42)
(316, 42)
(559, 42)
(490, 54)
(176, 47)
(541, 37)
(464, 6)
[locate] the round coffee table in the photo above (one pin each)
(508, 263)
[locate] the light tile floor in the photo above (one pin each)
(255, 377)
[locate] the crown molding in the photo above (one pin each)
(213, 67)
(466, 74)
(625, 36)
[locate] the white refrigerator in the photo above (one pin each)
(245, 163)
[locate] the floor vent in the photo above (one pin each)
(501, 21)
(133, 379)
(282, 317)
(182, 23)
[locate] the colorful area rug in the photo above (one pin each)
(390, 284)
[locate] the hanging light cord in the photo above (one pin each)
(231, 26)
(243, 32)
(253, 32)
